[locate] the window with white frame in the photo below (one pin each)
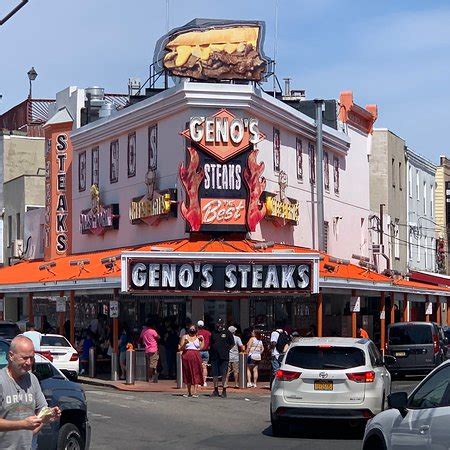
(417, 184)
(410, 181)
(425, 197)
(431, 200)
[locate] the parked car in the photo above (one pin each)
(73, 430)
(418, 347)
(329, 378)
(8, 330)
(65, 357)
(446, 330)
(420, 421)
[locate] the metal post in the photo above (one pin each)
(392, 308)
(319, 171)
(114, 367)
(242, 370)
(382, 320)
(354, 317)
(405, 307)
(130, 362)
(179, 370)
(92, 362)
(72, 317)
(320, 314)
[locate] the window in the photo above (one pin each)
(4, 349)
(410, 334)
(299, 157)
(18, 233)
(153, 147)
(276, 150)
(10, 234)
(82, 171)
(43, 371)
(54, 341)
(410, 181)
(400, 184)
(131, 155)
(336, 174)
(424, 197)
(417, 185)
(326, 171)
(312, 163)
(431, 200)
(95, 167)
(114, 162)
(432, 393)
(375, 355)
(393, 172)
(317, 358)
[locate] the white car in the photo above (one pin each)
(329, 378)
(65, 357)
(418, 421)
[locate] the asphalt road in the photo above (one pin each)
(122, 420)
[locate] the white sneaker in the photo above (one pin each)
(249, 385)
(204, 384)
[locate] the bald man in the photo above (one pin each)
(21, 398)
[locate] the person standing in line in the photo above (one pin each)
(21, 398)
(34, 336)
(221, 343)
(149, 337)
(255, 349)
(233, 364)
(279, 342)
(204, 353)
(187, 325)
(122, 347)
(191, 344)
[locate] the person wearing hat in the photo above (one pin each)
(233, 364)
(219, 353)
(204, 353)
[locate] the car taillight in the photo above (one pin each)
(435, 344)
(287, 375)
(362, 377)
(46, 354)
(74, 357)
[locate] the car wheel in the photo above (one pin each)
(69, 438)
(374, 443)
(279, 429)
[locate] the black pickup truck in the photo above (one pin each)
(73, 430)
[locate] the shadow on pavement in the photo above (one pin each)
(324, 429)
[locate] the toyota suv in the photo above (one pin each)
(418, 347)
(329, 378)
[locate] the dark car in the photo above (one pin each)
(73, 430)
(418, 347)
(8, 330)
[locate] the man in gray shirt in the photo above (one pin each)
(21, 398)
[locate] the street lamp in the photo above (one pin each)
(32, 74)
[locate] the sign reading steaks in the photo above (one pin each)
(217, 276)
(222, 178)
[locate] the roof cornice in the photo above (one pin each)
(420, 161)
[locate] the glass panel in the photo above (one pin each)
(431, 393)
(54, 341)
(4, 349)
(410, 335)
(9, 330)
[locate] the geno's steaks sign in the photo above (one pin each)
(160, 273)
(222, 179)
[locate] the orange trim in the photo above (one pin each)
(356, 116)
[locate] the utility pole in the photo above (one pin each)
(13, 11)
(319, 171)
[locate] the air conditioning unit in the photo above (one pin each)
(378, 249)
(17, 248)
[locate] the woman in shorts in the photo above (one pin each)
(254, 349)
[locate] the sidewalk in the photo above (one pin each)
(168, 386)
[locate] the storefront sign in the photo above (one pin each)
(60, 304)
(113, 309)
(355, 304)
(148, 276)
(153, 206)
(214, 50)
(61, 205)
(99, 219)
(222, 179)
(428, 308)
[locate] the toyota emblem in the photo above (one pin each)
(323, 375)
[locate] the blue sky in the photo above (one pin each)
(392, 53)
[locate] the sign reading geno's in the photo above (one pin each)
(166, 276)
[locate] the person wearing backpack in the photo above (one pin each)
(279, 342)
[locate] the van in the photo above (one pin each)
(418, 347)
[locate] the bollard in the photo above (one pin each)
(179, 370)
(130, 367)
(242, 370)
(114, 367)
(92, 362)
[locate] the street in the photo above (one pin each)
(122, 420)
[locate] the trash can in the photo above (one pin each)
(141, 365)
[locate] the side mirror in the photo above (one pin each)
(398, 400)
(389, 360)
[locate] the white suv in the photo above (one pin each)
(329, 378)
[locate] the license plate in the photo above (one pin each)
(321, 385)
(400, 354)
